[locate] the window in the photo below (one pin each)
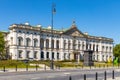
(90, 46)
(27, 32)
(79, 45)
(106, 48)
(20, 41)
(64, 44)
(57, 55)
(41, 43)
(19, 54)
(96, 48)
(74, 44)
(83, 46)
(35, 42)
(102, 48)
(28, 42)
(35, 54)
(69, 44)
(28, 54)
(47, 43)
(57, 44)
(42, 55)
(47, 56)
(110, 49)
(93, 47)
(65, 56)
(11, 40)
(20, 31)
(52, 55)
(52, 45)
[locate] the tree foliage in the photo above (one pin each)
(2, 45)
(116, 50)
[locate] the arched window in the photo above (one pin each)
(28, 54)
(57, 55)
(35, 42)
(20, 41)
(42, 55)
(106, 48)
(93, 47)
(47, 55)
(47, 43)
(57, 44)
(102, 48)
(41, 43)
(90, 46)
(74, 44)
(35, 54)
(110, 49)
(69, 44)
(52, 45)
(19, 54)
(79, 45)
(52, 55)
(11, 40)
(64, 43)
(28, 42)
(97, 48)
(83, 45)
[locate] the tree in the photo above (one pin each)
(116, 50)
(2, 46)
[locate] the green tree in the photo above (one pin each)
(2, 46)
(116, 50)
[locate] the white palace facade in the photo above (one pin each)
(35, 42)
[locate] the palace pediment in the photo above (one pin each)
(73, 31)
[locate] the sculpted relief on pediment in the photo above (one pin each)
(76, 33)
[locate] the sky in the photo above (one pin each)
(97, 17)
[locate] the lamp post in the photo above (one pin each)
(52, 13)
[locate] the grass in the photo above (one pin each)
(21, 64)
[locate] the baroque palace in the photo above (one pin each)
(35, 42)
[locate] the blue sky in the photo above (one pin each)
(97, 17)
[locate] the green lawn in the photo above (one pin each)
(21, 64)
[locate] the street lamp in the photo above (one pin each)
(53, 12)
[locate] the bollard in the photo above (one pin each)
(36, 67)
(16, 68)
(84, 76)
(113, 74)
(26, 67)
(4, 68)
(96, 76)
(70, 78)
(45, 67)
(105, 76)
